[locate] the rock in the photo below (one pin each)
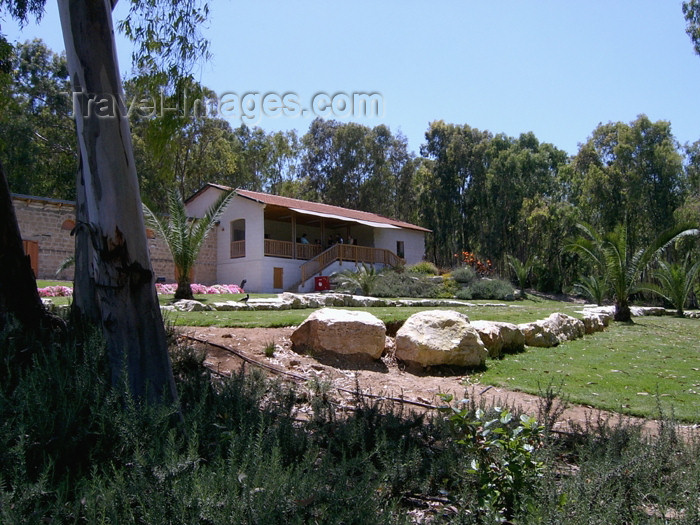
(295, 301)
(499, 337)
(594, 322)
(440, 337)
(640, 311)
(549, 332)
(228, 306)
(187, 305)
(340, 332)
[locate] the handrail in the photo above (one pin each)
(348, 252)
(237, 249)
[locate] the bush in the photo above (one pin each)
(392, 284)
(464, 275)
(465, 294)
(424, 267)
(492, 289)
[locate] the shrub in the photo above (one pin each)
(465, 294)
(424, 267)
(464, 275)
(392, 284)
(448, 289)
(492, 289)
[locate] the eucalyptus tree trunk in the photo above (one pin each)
(114, 282)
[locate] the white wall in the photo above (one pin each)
(233, 271)
(414, 242)
(199, 205)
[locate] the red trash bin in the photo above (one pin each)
(322, 283)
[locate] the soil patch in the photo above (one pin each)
(385, 378)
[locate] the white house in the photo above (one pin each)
(278, 243)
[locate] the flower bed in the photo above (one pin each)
(65, 291)
(55, 291)
(201, 289)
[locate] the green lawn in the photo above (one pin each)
(514, 312)
(632, 369)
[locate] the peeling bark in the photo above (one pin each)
(114, 280)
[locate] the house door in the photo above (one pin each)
(31, 248)
(278, 277)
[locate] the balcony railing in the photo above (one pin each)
(237, 249)
(286, 249)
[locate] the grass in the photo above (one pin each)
(634, 369)
(520, 312)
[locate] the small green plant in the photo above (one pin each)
(593, 287)
(675, 283)
(491, 289)
(521, 270)
(424, 267)
(448, 289)
(464, 294)
(363, 279)
(464, 275)
(503, 455)
(269, 349)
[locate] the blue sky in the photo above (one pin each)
(555, 68)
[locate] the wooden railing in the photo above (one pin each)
(237, 249)
(279, 248)
(308, 251)
(285, 249)
(348, 252)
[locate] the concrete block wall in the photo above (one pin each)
(49, 222)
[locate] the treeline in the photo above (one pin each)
(480, 192)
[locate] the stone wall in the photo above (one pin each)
(48, 222)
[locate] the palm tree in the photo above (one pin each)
(623, 268)
(185, 236)
(594, 287)
(364, 279)
(676, 283)
(521, 270)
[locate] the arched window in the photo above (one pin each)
(237, 238)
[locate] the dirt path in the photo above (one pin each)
(384, 378)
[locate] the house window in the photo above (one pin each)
(238, 238)
(400, 249)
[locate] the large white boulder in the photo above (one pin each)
(440, 337)
(187, 305)
(340, 332)
(553, 330)
(595, 322)
(499, 337)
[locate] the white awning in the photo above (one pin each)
(372, 224)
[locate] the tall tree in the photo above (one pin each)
(629, 173)
(115, 284)
(358, 167)
(691, 12)
(37, 135)
(181, 149)
(114, 281)
(18, 292)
